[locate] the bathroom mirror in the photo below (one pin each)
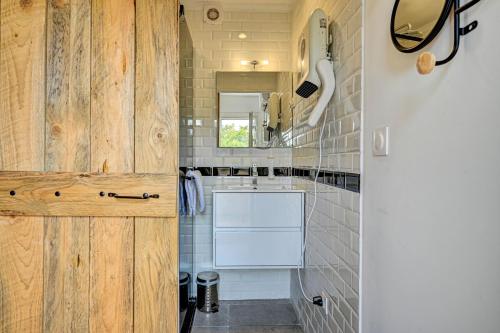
(415, 23)
(254, 109)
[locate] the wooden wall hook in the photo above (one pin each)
(426, 63)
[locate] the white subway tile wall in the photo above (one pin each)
(185, 95)
(185, 136)
(341, 139)
(234, 284)
(332, 255)
(218, 48)
(332, 260)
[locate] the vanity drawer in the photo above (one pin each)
(257, 249)
(258, 210)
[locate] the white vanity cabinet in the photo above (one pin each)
(257, 229)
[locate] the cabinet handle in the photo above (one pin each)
(145, 196)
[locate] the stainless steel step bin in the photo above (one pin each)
(207, 294)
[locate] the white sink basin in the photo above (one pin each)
(256, 188)
(242, 187)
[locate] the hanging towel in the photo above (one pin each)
(195, 193)
(199, 190)
(274, 110)
(191, 196)
(182, 195)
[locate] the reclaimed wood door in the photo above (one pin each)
(88, 105)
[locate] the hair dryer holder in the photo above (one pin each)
(459, 31)
(427, 60)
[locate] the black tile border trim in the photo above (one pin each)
(240, 172)
(343, 180)
(352, 182)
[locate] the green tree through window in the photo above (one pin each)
(234, 136)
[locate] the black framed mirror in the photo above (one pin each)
(415, 23)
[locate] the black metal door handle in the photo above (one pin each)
(144, 196)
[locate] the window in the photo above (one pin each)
(234, 133)
(239, 115)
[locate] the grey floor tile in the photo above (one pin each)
(258, 301)
(210, 330)
(218, 319)
(265, 329)
(248, 329)
(262, 314)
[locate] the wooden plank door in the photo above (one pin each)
(22, 124)
(112, 136)
(88, 86)
(67, 148)
(157, 137)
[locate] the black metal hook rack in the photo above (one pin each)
(458, 30)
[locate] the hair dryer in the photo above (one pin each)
(324, 67)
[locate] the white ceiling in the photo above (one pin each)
(245, 5)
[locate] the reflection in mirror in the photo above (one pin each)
(415, 21)
(255, 109)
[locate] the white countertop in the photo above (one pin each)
(258, 189)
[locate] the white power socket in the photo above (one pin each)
(326, 302)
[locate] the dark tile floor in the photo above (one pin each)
(266, 316)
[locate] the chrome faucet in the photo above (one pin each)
(255, 173)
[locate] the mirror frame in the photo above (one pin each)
(448, 5)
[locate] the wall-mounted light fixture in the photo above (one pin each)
(254, 63)
(242, 35)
